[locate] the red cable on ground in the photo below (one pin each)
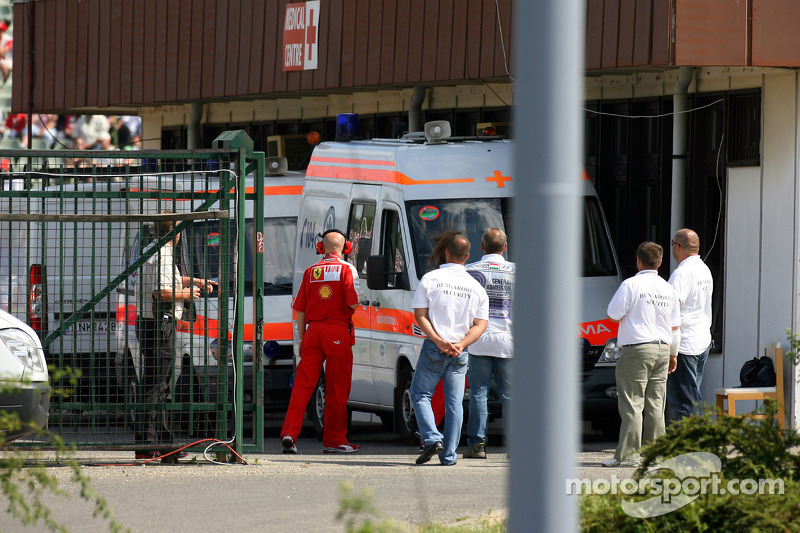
(178, 450)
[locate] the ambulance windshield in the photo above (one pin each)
(204, 244)
(430, 217)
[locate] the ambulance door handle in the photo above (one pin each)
(364, 302)
(376, 303)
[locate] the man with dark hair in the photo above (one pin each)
(694, 286)
(451, 308)
(648, 313)
(162, 291)
(324, 305)
(491, 354)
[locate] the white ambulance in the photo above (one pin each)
(197, 333)
(390, 197)
(50, 270)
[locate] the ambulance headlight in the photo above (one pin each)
(610, 355)
(271, 349)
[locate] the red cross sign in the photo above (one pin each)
(499, 178)
(300, 36)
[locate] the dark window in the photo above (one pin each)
(744, 129)
(359, 232)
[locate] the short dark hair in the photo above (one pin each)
(494, 240)
(164, 226)
(454, 242)
(650, 254)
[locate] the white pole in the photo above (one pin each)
(545, 405)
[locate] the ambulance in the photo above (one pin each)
(390, 197)
(49, 271)
(198, 333)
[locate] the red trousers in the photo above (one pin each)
(328, 343)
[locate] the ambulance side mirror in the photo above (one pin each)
(380, 277)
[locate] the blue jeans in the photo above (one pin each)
(432, 366)
(481, 368)
(683, 386)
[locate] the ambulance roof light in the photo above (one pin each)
(437, 131)
(348, 127)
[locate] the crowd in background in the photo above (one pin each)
(79, 132)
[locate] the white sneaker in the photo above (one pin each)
(615, 462)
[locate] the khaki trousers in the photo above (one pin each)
(642, 385)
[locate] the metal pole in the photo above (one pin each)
(679, 152)
(545, 409)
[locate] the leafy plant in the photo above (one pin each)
(358, 511)
(24, 479)
(748, 448)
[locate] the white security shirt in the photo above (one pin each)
(453, 299)
(159, 273)
(694, 285)
(647, 309)
(496, 275)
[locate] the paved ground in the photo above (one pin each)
(286, 493)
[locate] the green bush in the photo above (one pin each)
(748, 448)
(709, 513)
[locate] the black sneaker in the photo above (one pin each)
(429, 451)
(476, 452)
(288, 444)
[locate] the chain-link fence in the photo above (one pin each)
(126, 265)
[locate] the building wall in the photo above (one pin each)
(313, 107)
(761, 226)
(100, 54)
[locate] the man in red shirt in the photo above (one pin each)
(325, 303)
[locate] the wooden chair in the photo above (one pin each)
(766, 394)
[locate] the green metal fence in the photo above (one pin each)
(76, 229)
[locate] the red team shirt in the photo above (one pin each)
(327, 291)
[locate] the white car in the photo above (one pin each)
(24, 381)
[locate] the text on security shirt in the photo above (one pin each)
(647, 309)
(694, 285)
(453, 299)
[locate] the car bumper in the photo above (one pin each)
(30, 403)
(598, 387)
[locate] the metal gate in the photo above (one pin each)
(76, 229)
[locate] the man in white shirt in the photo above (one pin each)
(694, 285)
(451, 308)
(491, 354)
(648, 313)
(159, 303)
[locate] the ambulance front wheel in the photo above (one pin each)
(405, 420)
(316, 409)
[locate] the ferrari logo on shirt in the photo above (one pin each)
(325, 292)
(326, 273)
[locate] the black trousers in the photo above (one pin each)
(157, 344)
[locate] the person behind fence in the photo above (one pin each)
(647, 309)
(491, 354)
(324, 307)
(452, 309)
(694, 285)
(159, 304)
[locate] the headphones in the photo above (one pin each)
(348, 245)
